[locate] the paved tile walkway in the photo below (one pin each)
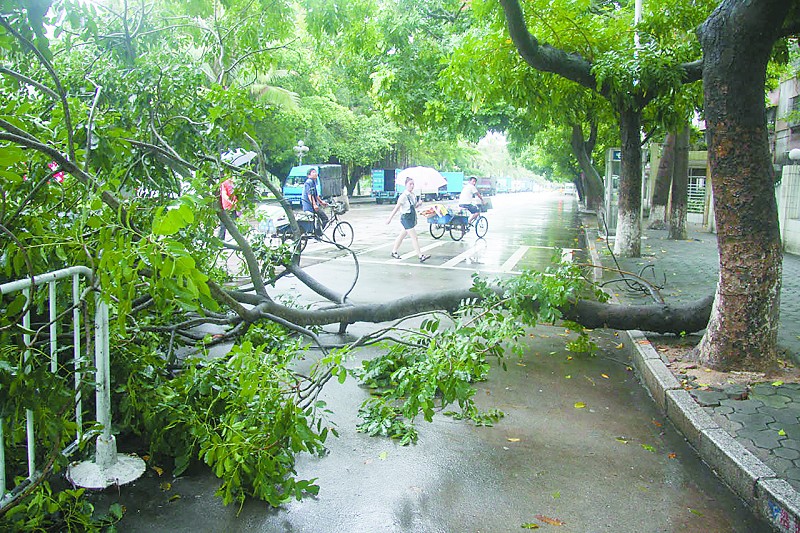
(766, 418)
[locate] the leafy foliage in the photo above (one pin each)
(66, 510)
(435, 366)
(237, 414)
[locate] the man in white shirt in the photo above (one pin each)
(467, 198)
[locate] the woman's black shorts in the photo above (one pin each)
(408, 220)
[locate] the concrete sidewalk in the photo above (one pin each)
(749, 435)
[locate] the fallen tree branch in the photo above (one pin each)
(659, 318)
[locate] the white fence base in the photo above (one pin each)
(109, 467)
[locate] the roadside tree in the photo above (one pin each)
(628, 77)
(743, 330)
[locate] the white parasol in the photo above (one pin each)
(426, 179)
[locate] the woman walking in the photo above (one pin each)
(407, 203)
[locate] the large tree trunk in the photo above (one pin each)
(737, 40)
(680, 182)
(592, 183)
(658, 207)
(628, 242)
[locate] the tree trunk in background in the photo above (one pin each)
(592, 182)
(680, 184)
(628, 242)
(658, 208)
(737, 40)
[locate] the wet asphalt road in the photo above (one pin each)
(612, 465)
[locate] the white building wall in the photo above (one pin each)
(788, 196)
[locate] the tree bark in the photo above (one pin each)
(628, 242)
(680, 183)
(659, 318)
(663, 181)
(737, 40)
(592, 185)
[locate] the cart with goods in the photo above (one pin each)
(455, 221)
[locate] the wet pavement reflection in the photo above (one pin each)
(526, 231)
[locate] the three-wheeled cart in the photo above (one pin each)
(458, 225)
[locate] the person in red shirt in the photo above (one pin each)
(228, 201)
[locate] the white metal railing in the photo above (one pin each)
(106, 458)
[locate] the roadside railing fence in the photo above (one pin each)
(58, 340)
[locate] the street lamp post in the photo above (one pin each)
(301, 149)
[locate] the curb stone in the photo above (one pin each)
(770, 497)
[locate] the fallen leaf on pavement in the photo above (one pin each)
(579, 405)
(513, 439)
(548, 520)
(672, 455)
(604, 375)
(530, 526)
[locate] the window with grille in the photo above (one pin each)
(793, 119)
(696, 191)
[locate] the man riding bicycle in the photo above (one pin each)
(312, 203)
(467, 198)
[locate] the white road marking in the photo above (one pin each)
(508, 267)
(512, 261)
(460, 257)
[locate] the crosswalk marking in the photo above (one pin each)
(460, 257)
(512, 261)
(509, 266)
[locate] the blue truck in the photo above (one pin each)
(384, 188)
(329, 182)
(455, 183)
(504, 184)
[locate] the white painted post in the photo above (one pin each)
(109, 467)
(76, 353)
(26, 339)
(53, 327)
(106, 452)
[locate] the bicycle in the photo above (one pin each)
(458, 225)
(341, 233)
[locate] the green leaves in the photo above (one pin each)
(239, 416)
(436, 366)
(171, 220)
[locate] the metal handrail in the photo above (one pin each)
(106, 458)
